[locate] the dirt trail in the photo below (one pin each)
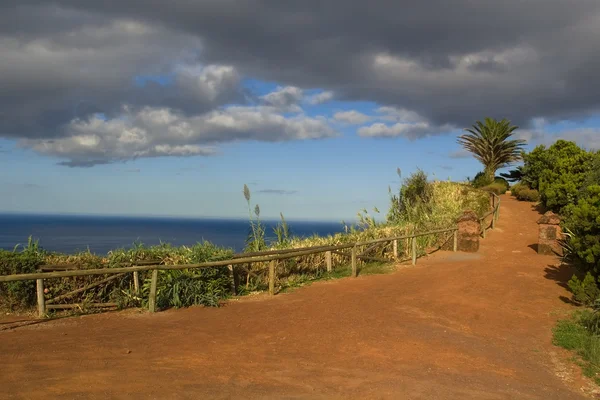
(456, 326)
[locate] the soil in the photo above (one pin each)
(456, 326)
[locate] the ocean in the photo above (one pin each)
(100, 234)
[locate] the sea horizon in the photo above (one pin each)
(72, 233)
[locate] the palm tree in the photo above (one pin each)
(490, 144)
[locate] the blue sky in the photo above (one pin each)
(323, 179)
(170, 108)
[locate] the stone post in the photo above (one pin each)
(549, 234)
(468, 232)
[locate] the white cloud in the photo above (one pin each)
(321, 98)
(398, 114)
(157, 132)
(285, 98)
(351, 117)
(403, 129)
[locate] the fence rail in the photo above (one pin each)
(495, 213)
(271, 257)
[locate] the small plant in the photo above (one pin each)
(256, 236)
(282, 232)
(585, 292)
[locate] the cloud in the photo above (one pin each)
(160, 132)
(351, 117)
(321, 98)
(65, 61)
(446, 167)
(402, 129)
(284, 98)
(278, 191)
(588, 138)
(460, 154)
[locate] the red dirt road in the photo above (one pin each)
(456, 326)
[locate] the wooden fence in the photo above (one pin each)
(349, 250)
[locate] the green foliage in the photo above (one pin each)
(481, 179)
(501, 181)
(17, 295)
(585, 292)
(514, 175)
(205, 286)
(430, 205)
(569, 334)
(414, 198)
(517, 188)
(582, 220)
(282, 233)
(526, 194)
(496, 187)
(580, 335)
(557, 172)
(490, 143)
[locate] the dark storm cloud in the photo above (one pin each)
(447, 62)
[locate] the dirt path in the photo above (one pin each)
(457, 326)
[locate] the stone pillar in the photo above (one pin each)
(468, 232)
(549, 234)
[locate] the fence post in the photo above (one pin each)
(455, 246)
(40, 298)
(354, 253)
(494, 220)
(483, 228)
(414, 251)
(234, 279)
(328, 261)
(395, 247)
(152, 297)
(272, 278)
(136, 282)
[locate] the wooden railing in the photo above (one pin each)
(495, 213)
(271, 257)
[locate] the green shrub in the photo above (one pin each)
(481, 179)
(557, 172)
(582, 220)
(528, 195)
(496, 187)
(501, 181)
(585, 292)
(16, 295)
(517, 187)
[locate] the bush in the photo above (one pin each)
(585, 292)
(501, 181)
(528, 195)
(480, 180)
(557, 172)
(16, 295)
(582, 221)
(496, 187)
(517, 188)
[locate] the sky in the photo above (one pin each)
(148, 107)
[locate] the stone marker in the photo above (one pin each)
(549, 234)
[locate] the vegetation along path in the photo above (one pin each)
(456, 326)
